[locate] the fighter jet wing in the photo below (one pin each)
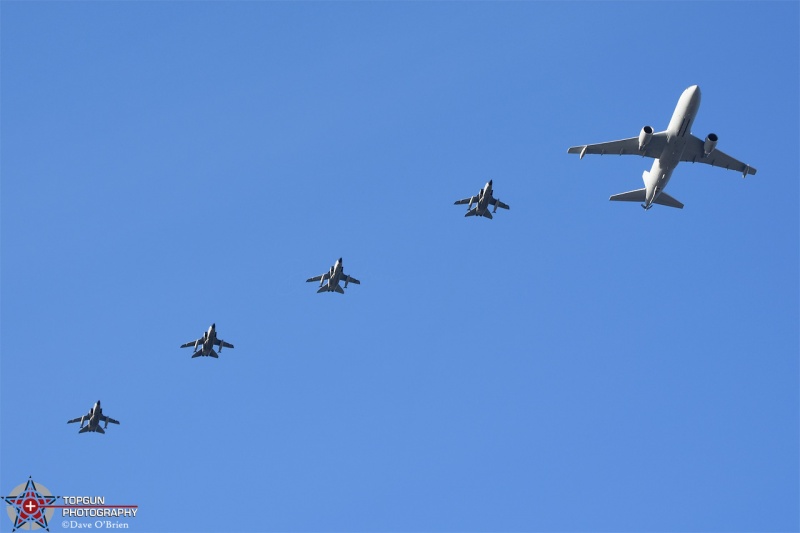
(495, 201)
(350, 279)
(625, 147)
(191, 343)
(108, 419)
(224, 344)
(321, 277)
(695, 153)
(470, 200)
(87, 416)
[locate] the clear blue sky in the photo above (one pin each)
(572, 365)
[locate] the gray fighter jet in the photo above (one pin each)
(333, 277)
(483, 200)
(206, 344)
(94, 417)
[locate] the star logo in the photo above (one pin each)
(29, 506)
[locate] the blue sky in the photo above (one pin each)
(572, 365)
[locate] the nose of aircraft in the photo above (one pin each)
(214, 326)
(340, 260)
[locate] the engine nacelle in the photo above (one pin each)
(710, 143)
(346, 281)
(644, 137)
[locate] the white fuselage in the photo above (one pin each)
(208, 340)
(680, 126)
(483, 199)
(335, 276)
(94, 416)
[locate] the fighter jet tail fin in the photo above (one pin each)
(214, 354)
(339, 290)
(667, 200)
(639, 195)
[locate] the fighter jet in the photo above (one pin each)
(206, 343)
(333, 277)
(668, 148)
(94, 417)
(483, 200)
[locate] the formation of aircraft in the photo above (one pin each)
(206, 343)
(333, 277)
(94, 417)
(482, 200)
(668, 148)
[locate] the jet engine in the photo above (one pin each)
(644, 137)
(710, 144)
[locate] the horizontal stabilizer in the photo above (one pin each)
(667, 200)
(84, 429)
(631, 196)
(100, 430)
(472, 212)
(487, 214)
(214, 354)
(324, 288)
(339, 290)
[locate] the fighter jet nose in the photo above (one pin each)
(214, 325)
(340, 259)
